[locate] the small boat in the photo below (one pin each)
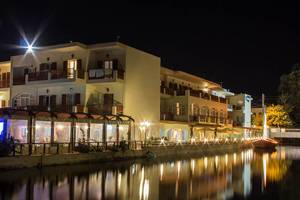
(265, 143)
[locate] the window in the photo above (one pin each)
(17, 129)
(42, 131)
(72, 67)
(23, 100)
(62, 131)
(96, 131)
(111, 132)
(108, 64)
(81, 132)
(123, 131)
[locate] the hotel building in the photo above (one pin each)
(115, 79)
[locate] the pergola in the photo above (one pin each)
(52, 125)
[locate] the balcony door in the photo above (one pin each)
(108, 103)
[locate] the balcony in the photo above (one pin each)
(38, 76)
(57, 108)
(210, 119)
(47, 76)
(194, 93)
(105, 74)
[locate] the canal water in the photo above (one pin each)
(240, 175)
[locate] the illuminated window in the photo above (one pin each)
(177, 108)
(81, 132)
(62, 131)
(108, 64)
(72, 67)
(96, 132)
(17, 129)
(42, 131)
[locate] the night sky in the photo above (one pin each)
(246, 46)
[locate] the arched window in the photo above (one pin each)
(23, 99)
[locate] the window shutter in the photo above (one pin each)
(53, 100)
(77, 99)
(3, 103)
(79, 64)
(115, 64)
(53, 66)
(8, 79)
(41, 100)
(65, 66)
(64, 99)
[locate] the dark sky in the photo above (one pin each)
(246, 46)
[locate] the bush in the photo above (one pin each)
(82, 148)
(123, 145)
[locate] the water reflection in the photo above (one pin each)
(222, 176)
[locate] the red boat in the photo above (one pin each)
(265, 143)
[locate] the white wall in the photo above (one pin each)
(142, 88)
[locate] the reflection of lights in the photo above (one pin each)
(193, 165)
(226, 160)
(119, 180)
(133, 169)
(242, 155)
(162, 141)
(178, 168)
(146, 189)
(205, 140)
(265, 160)
(161, 171)
(234, 158)
(216, 160)
(192, 140)
(205, 162)
(60, 127)
(141, 184)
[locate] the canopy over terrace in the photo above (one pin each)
(52, 127)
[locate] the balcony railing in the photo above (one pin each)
(47, 76)
(38, 76)
(56, 108)
(193, 93)
(105, 74)
(205, 119)
(210, 119)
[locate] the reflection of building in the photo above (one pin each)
(212, 177)
(113, 78)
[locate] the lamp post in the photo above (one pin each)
(47, 91)
(144, 125)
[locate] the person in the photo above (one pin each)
(215, 133)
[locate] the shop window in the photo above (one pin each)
(62, 131)
(81, 132)
(43, 131)
(96, 131)
(17, 128)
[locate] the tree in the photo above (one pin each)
(276, 116)
(289, 90)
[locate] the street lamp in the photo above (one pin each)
(144, 125)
